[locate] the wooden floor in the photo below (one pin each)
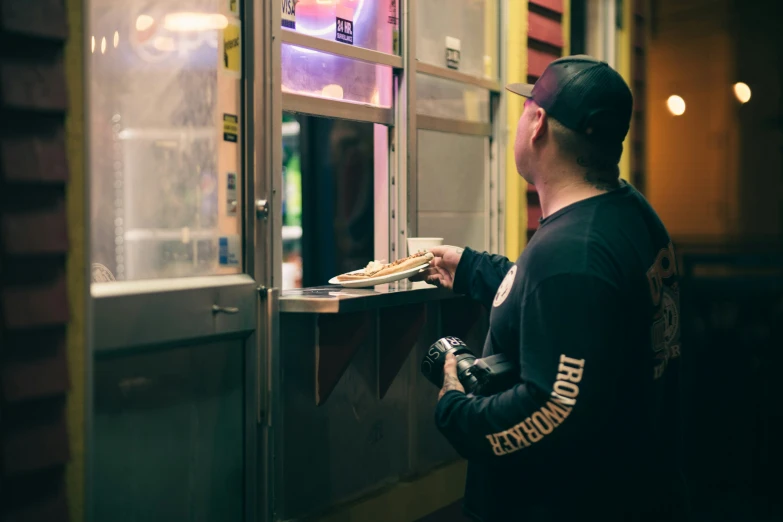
(450, 513)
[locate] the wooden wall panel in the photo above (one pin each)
(33, 246)
(639, 88)
(538, 60)
(545, 30)
(545, 44)
(556, 6)
(34, 158)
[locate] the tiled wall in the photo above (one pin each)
(452, 188)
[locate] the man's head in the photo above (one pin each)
(577, 114)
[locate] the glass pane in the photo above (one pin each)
(452, 188)
(328, 76)
(169, 435)
(328, 197)
(448, 99)
(372, 24)
(164, 135)
(474, 23)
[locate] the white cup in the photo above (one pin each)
(417, 244)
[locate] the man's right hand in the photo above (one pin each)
(442, 268)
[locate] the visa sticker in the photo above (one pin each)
(289, 14)
(229, 250)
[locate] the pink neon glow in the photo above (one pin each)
(315, 12)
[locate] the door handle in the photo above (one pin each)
(224, 309)
(262, 209)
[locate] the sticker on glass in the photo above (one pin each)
(289, 14)
(231, 194)
(229, 250)
(393, 20)
(230, 128)
(344, 25)
(233, 7)
(452, 52)
(231, 45)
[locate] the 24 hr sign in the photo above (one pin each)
(344, 31)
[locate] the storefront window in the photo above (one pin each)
(471, 25)
(449, 99)
(165, 138)
(324, 75)
(372, 24)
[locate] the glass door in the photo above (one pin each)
(179, 292)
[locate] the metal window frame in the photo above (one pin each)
(456, 76)
(300, 103)
(406, 193)
(450, 126)
(340, 49)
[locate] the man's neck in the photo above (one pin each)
(557, 194)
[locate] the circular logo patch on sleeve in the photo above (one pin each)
(505, 287)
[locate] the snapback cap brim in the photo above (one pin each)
(522, 89)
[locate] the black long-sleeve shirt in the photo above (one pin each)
(590, 311)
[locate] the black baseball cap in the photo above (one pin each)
(584, 94)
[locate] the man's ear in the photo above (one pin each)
(540, 124)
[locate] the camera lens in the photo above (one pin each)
(435, 358)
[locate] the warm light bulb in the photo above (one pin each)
(333, 91)
(742, 92)
(144, 22)
(103, 45)
(194, 22)
(116, 39)
(92, 44)
(676, 105)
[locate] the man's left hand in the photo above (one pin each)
(450, 380)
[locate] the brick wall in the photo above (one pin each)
(33, 248)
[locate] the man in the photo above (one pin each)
(589, 311)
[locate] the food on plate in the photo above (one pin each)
(378, 269)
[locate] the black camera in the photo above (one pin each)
(486, 376)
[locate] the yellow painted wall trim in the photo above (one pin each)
(77, 258)
(566, 27)
(516, 71)
(624, 46)
(406, 501)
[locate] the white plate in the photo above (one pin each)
(373, 281)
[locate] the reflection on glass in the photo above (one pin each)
(374, 23)
(328, 205)
(164, 139)
(473, 22)
(329, 76)
(449, 99)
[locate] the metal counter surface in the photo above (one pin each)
(337, 300)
